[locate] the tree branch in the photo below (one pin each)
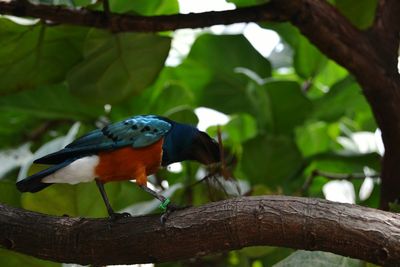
(302, 223)
(123, 23)
(386, 29)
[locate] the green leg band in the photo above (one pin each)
(164, 205)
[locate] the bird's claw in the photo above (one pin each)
(171, 207)
(116, 216)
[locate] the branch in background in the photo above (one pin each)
(302, 223)
(333, 176)
(123, 23)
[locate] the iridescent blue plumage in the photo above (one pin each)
(137, 131)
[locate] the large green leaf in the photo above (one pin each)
(345, 99)
(270, 160)
(308, 60)
(317, 137)
(50, 102)
(36, 55)
(117, 66)
(227, 96)
(224, 54)
(288, 107)
(172, 96)
(318, 259)
(240, 128)
(330, 74)
(360, 12)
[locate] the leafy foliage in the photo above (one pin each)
(283, 122)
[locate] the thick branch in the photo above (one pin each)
(311, 224)
(386, 30)
(121, 23)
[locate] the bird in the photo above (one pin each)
(131, 149)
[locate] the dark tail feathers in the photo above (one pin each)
(34, 183)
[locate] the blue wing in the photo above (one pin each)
(138, 131)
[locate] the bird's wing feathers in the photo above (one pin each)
(138, 131)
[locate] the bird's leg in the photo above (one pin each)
(166, 204)
(113, 215)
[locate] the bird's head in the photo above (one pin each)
(204, 149)
(185, 142)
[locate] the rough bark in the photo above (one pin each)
(122, 23)
(302, 223)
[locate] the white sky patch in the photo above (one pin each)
(196, 6)
(264, 41)
(339, 191)
(209, 117)
(175, 167)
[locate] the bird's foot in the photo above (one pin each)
(168, 208)
(116, 216)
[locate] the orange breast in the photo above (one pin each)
(129, 163)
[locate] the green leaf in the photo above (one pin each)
(360, 12)
(226, 96)
(330, 74)
(50, 102)
(172, 96)
(10, 258)
(145, 7)
(117, 66)
(317, 137)
(285, 97)
(223, 54)
(344, 99)
(308, 61)
(270, 160)
(317, 259)
(240, 128)
(31, 54)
